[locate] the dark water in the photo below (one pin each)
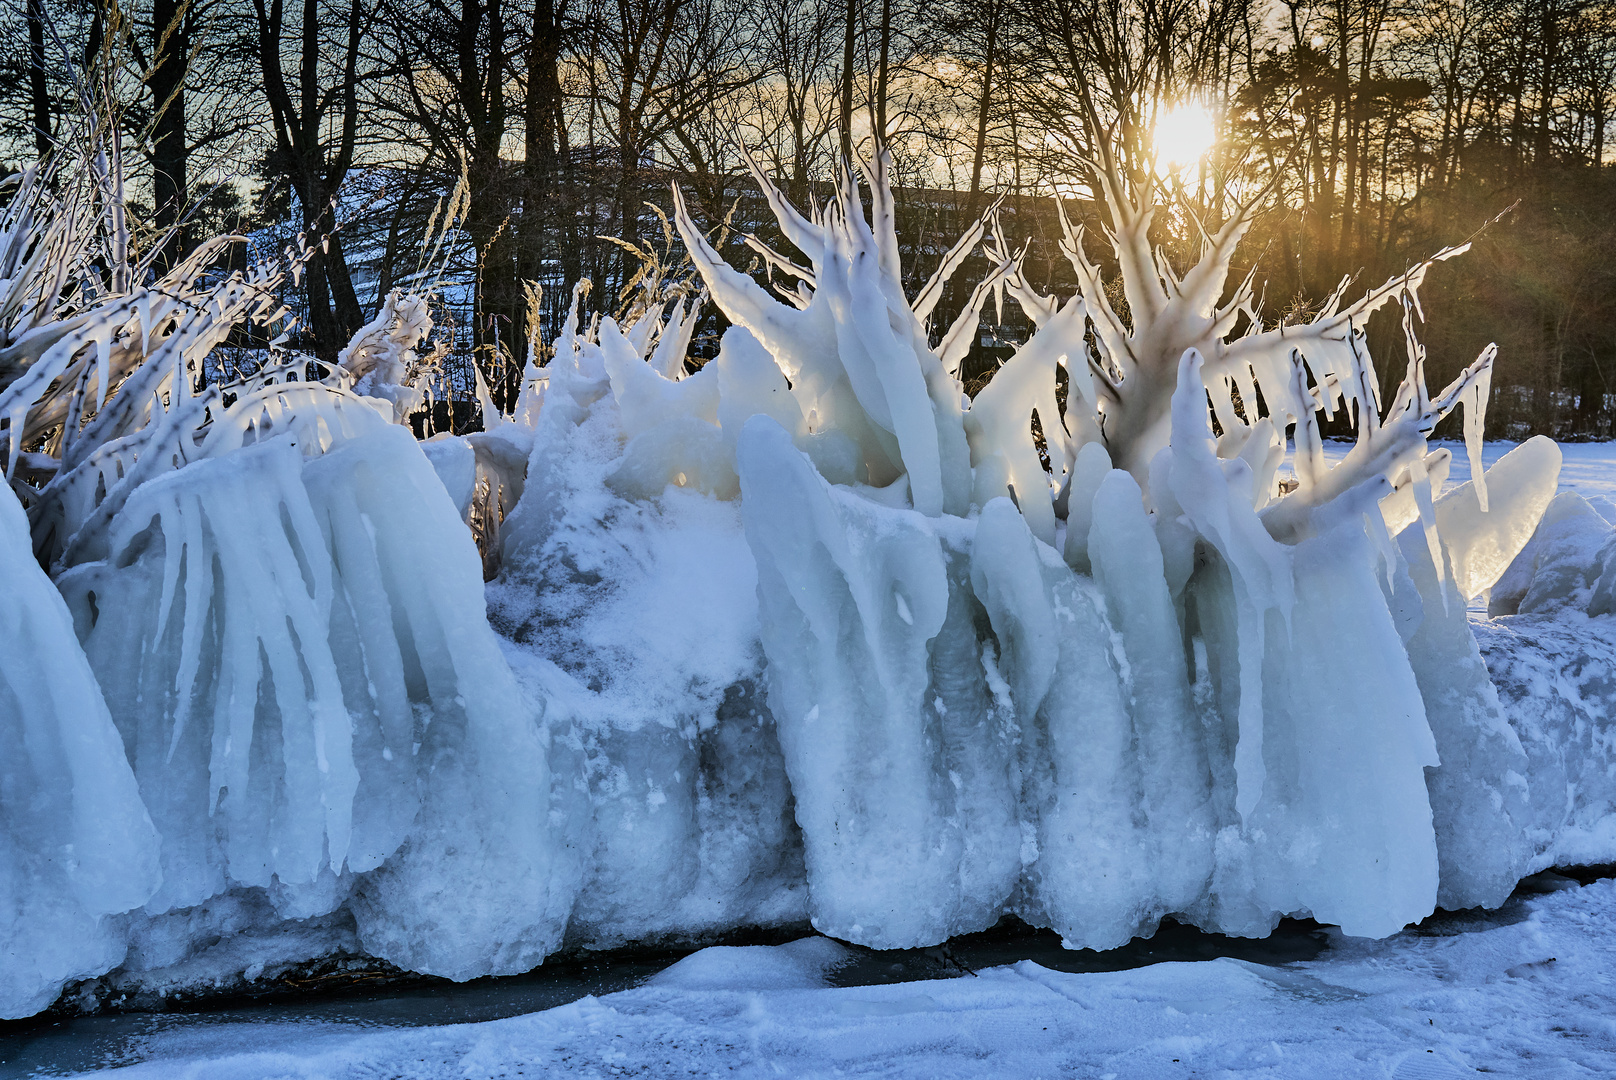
(80, 1043)
(58, 1046)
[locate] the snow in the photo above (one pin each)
(1526, 991)
(798, 965)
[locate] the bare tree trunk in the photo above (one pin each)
(881, 84)
(984, 103)
(170, 149)
(1548, 73)
(313, 168)
(542, 158)
(849, 39)
(38, 86)
(1343, 93)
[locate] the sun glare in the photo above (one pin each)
(1183, 133)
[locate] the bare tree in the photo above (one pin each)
(648, 68)
(316, 129)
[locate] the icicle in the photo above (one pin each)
(1310, 464)
(1423, 499)
(485, 400)
(668, 357)
(103, 367)
(1475, 398)
(15, 417)
(143, 312)
(198, 593)
(180, 388)
(1385, 546)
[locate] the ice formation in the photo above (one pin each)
(300, 701)
(803, 633)
(1224, 784)
(642, 612)
(76, 844)
(293, 710)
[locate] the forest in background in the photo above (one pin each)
(1373, 132)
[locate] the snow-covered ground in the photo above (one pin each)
(1528, 991)
(1588, 468)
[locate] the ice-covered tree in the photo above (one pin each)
(1231, 708)
(262, 693)
(803, 633)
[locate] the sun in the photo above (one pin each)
(1183, 133)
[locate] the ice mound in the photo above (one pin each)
(1168, 704)
(1556, 681)
(797, 965)
(1562, 565)
(1479, 792)
(1550, 651)
(803, 633)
